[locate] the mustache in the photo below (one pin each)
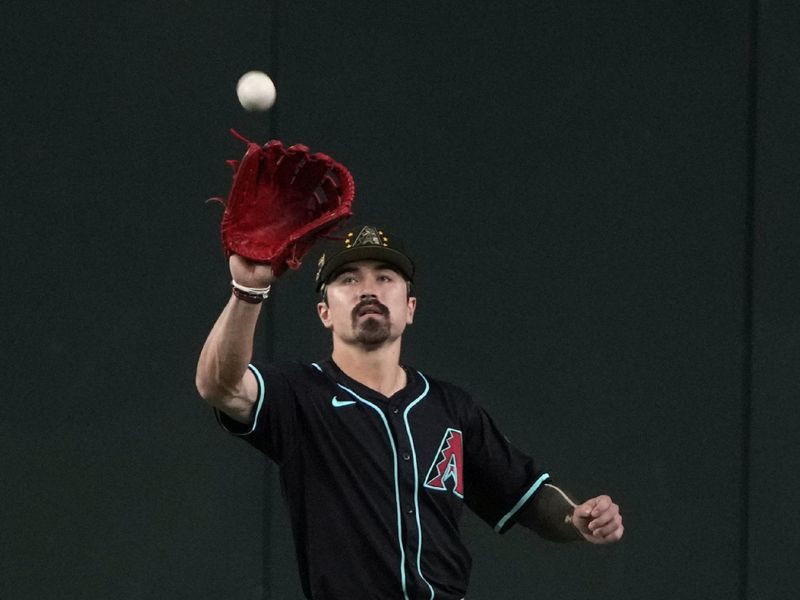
(372, 303)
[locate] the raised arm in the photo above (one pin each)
(281, 200)
(223, 378)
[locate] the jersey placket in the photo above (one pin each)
(406, 473)
(414, 541)
(406, 476)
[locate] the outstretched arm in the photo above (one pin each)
(556, 517)
(222, 377)
(281, 200)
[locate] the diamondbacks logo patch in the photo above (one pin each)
(447, 468)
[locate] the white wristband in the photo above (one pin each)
(260, 292)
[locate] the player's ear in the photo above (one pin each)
(324, 314)
(411, 308)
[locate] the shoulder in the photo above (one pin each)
(295, 373)
(445, 390)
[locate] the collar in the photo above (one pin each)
(413, 388)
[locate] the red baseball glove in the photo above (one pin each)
(281, 201)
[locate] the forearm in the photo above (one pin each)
(549, 514)
(227, 352)
(556, 517)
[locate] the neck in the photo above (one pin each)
(378, 369)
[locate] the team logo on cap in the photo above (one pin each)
(368, 242)
(368, 236)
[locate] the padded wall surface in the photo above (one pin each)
(575, 181)
(774, 467)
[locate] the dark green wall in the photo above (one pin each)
(602, 198)
(774, 460)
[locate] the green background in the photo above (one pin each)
(603, 202)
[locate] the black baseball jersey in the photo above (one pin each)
(375, 486)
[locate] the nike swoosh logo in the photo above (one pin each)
(339, 403)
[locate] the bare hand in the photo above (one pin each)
(248, 273)
(598, 520)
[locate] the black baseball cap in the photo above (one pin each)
(364, 243)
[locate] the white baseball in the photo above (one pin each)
(256, 91)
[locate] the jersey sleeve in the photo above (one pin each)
(273, 424)
(499, 479)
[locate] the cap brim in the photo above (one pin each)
(382, 254)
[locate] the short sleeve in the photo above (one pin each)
(499, 479)
(272, 430)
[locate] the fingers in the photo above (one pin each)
(601, 505)
(604, 520)
(610, 533)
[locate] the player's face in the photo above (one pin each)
(368, 304)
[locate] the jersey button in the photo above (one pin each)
(395, 410)
(406, 456)
(410, 510)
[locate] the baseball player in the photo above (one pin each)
(377, 459)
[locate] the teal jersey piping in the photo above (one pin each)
(396, 485)
(416, 483)
(259, 404)
(544, 477)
